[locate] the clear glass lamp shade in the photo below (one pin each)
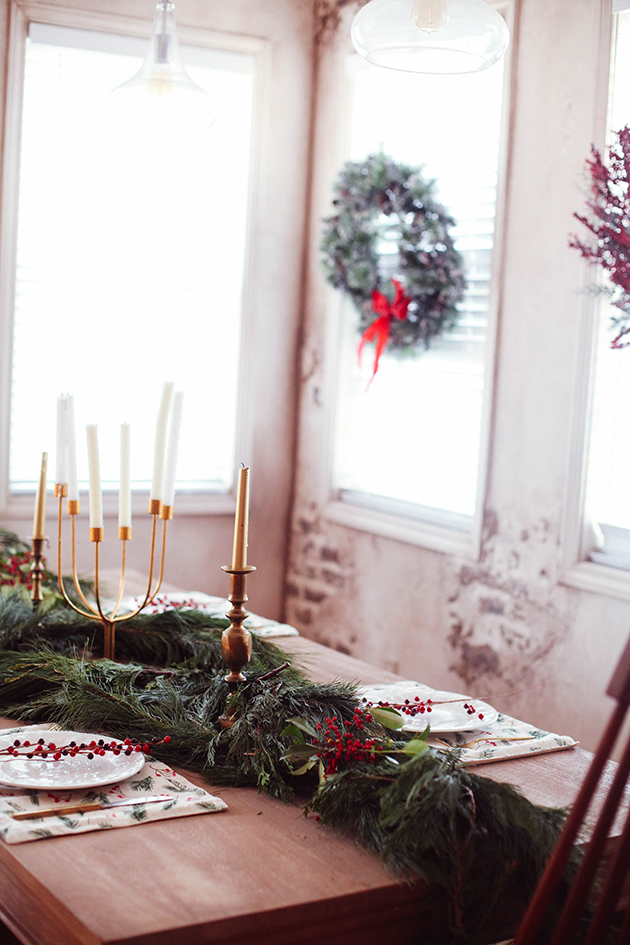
(162, 92)
(435, 36)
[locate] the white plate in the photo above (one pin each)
(445, 715)
(68, 773)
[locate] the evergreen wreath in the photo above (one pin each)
(479, 843)
(379, 199)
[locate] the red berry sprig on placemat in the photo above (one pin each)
(43, 751)
(418, 706)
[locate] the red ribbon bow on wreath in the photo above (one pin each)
(380, 328)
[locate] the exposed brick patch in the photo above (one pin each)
(304, 616)
(329, 554)
(318, 572)
(335, 578)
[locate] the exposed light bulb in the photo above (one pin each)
(430, 15)
(432, 36)
(162, 92)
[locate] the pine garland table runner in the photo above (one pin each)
(477, 841)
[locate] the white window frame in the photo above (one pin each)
(435, 529)
(15, 506)
(604, 573)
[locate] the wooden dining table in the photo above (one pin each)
(259, 873)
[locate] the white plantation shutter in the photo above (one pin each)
(410, 444)
(129, 265)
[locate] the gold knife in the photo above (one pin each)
(89, 806)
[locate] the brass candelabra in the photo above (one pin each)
(37, 570)
(236, 641)
(97, 612)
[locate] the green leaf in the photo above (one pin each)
(415, 746)
(292, 731)
(387, 717)
(304, 726)
(297, 751)
(307, 767)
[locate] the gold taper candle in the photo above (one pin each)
(241, 522)
(39, 518)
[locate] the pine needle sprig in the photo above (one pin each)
(263, 711)
(166, 639)
(478, 841)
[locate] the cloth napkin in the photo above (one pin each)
(499, 738)
(154, 778)
(506, 738)
(217, 606)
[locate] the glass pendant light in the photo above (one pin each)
(161, 92)
(438, 36)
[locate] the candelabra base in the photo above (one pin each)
(109, 639)
(236, 641)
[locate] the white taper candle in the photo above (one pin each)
(96, 498)
(124, 493)
(73, 481)
(159, 452)
(61, 457)
(174, 429)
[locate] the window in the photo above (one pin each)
(129, 263)
(607, 495)
(412, 445)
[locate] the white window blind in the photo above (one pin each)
(410, 443)
(130, 260)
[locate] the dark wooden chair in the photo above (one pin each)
(609, 886)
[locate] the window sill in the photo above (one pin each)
(186, 503)
(599, 578)
(438, 531)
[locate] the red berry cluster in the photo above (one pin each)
(40, 750)
(418, 706)
(341, 742)
(15, 569)
(162, 602)
(470, 709)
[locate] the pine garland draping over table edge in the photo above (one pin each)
(478, 842)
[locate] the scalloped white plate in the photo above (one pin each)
(445, 716)
(67, 774)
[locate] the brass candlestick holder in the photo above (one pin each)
(37, 570)
(236, 641)
(109, 621)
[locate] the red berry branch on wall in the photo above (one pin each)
(609, 224)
